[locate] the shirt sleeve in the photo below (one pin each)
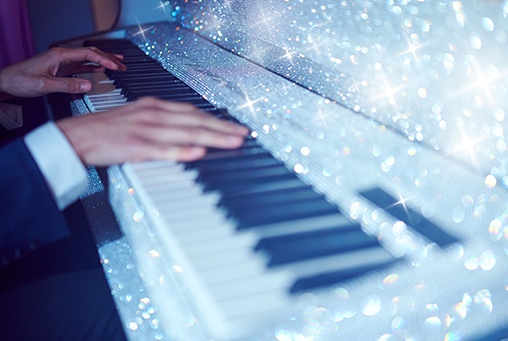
(58, 162)
(11, 116)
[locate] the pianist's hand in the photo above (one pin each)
(46, 72)
(149, 129)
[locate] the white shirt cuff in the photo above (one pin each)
(11, 116)
(61, 167)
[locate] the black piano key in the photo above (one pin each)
(211, 178)
(226, 186)
(246, 145)
(168, 92)
(249, 186)
(263, 160)
(285, 195)
(331, 278)
(249, 218)
(315, 244)
(152, 85)
(413, 219)
(123, 82)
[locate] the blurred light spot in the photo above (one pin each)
(371, 305)
(487, 260)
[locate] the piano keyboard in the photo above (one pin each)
(246, 230)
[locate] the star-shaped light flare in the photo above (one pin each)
(163, 5)
(141, 30)
(402, 202)
(468, 147)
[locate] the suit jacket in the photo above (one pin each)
(30, 216)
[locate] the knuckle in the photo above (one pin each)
(40, 85)
(146, 101)
(56, 50)
(195, 134)
(69, 85)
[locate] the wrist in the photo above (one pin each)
(3, 94)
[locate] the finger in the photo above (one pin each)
(183, 114)
(189, 136)
(67, 85)
(86, 69)
(117, 56)
(91, 54)
(177, 153)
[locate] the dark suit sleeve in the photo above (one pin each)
(29, 214)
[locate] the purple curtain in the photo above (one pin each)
(16, 40)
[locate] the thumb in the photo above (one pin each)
(67, 85)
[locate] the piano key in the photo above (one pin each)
(273, 197)
(378, 257)
(282, 212)
(315, 244)
(249, 286)
(399, 210)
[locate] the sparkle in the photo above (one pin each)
(402, 202)
(162, 6)
(141, 30)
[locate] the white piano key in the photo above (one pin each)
(247, 305)
(202, 230)
(178, 176)
(251, 285)
(233, 272)
(186, 213)
(220, 259)
(188, 202)
(353, 259)
(229, 242)
(140, 166)
(302, 225)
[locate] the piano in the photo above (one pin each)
(369, 201)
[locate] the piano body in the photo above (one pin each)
(394, 114)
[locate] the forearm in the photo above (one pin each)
(4, 95)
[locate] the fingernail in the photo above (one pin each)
(84, 86)
(234, 140)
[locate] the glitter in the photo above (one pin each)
(411, 151)
(472, 262)
(371, 305)
(461, 310)
(153, 254)
(422, 92)
(390, 279)
(490, 181)
(177, 268)
(487, 260)
(138, 216)
(488, 24)
(305, 151)
(432, 307)
(458, 214)
(133, 326)
(130, 190)
(433, 321)
(298, 168)
(495, 229)
(475, 41)
(398, 323)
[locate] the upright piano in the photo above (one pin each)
(369, 201)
